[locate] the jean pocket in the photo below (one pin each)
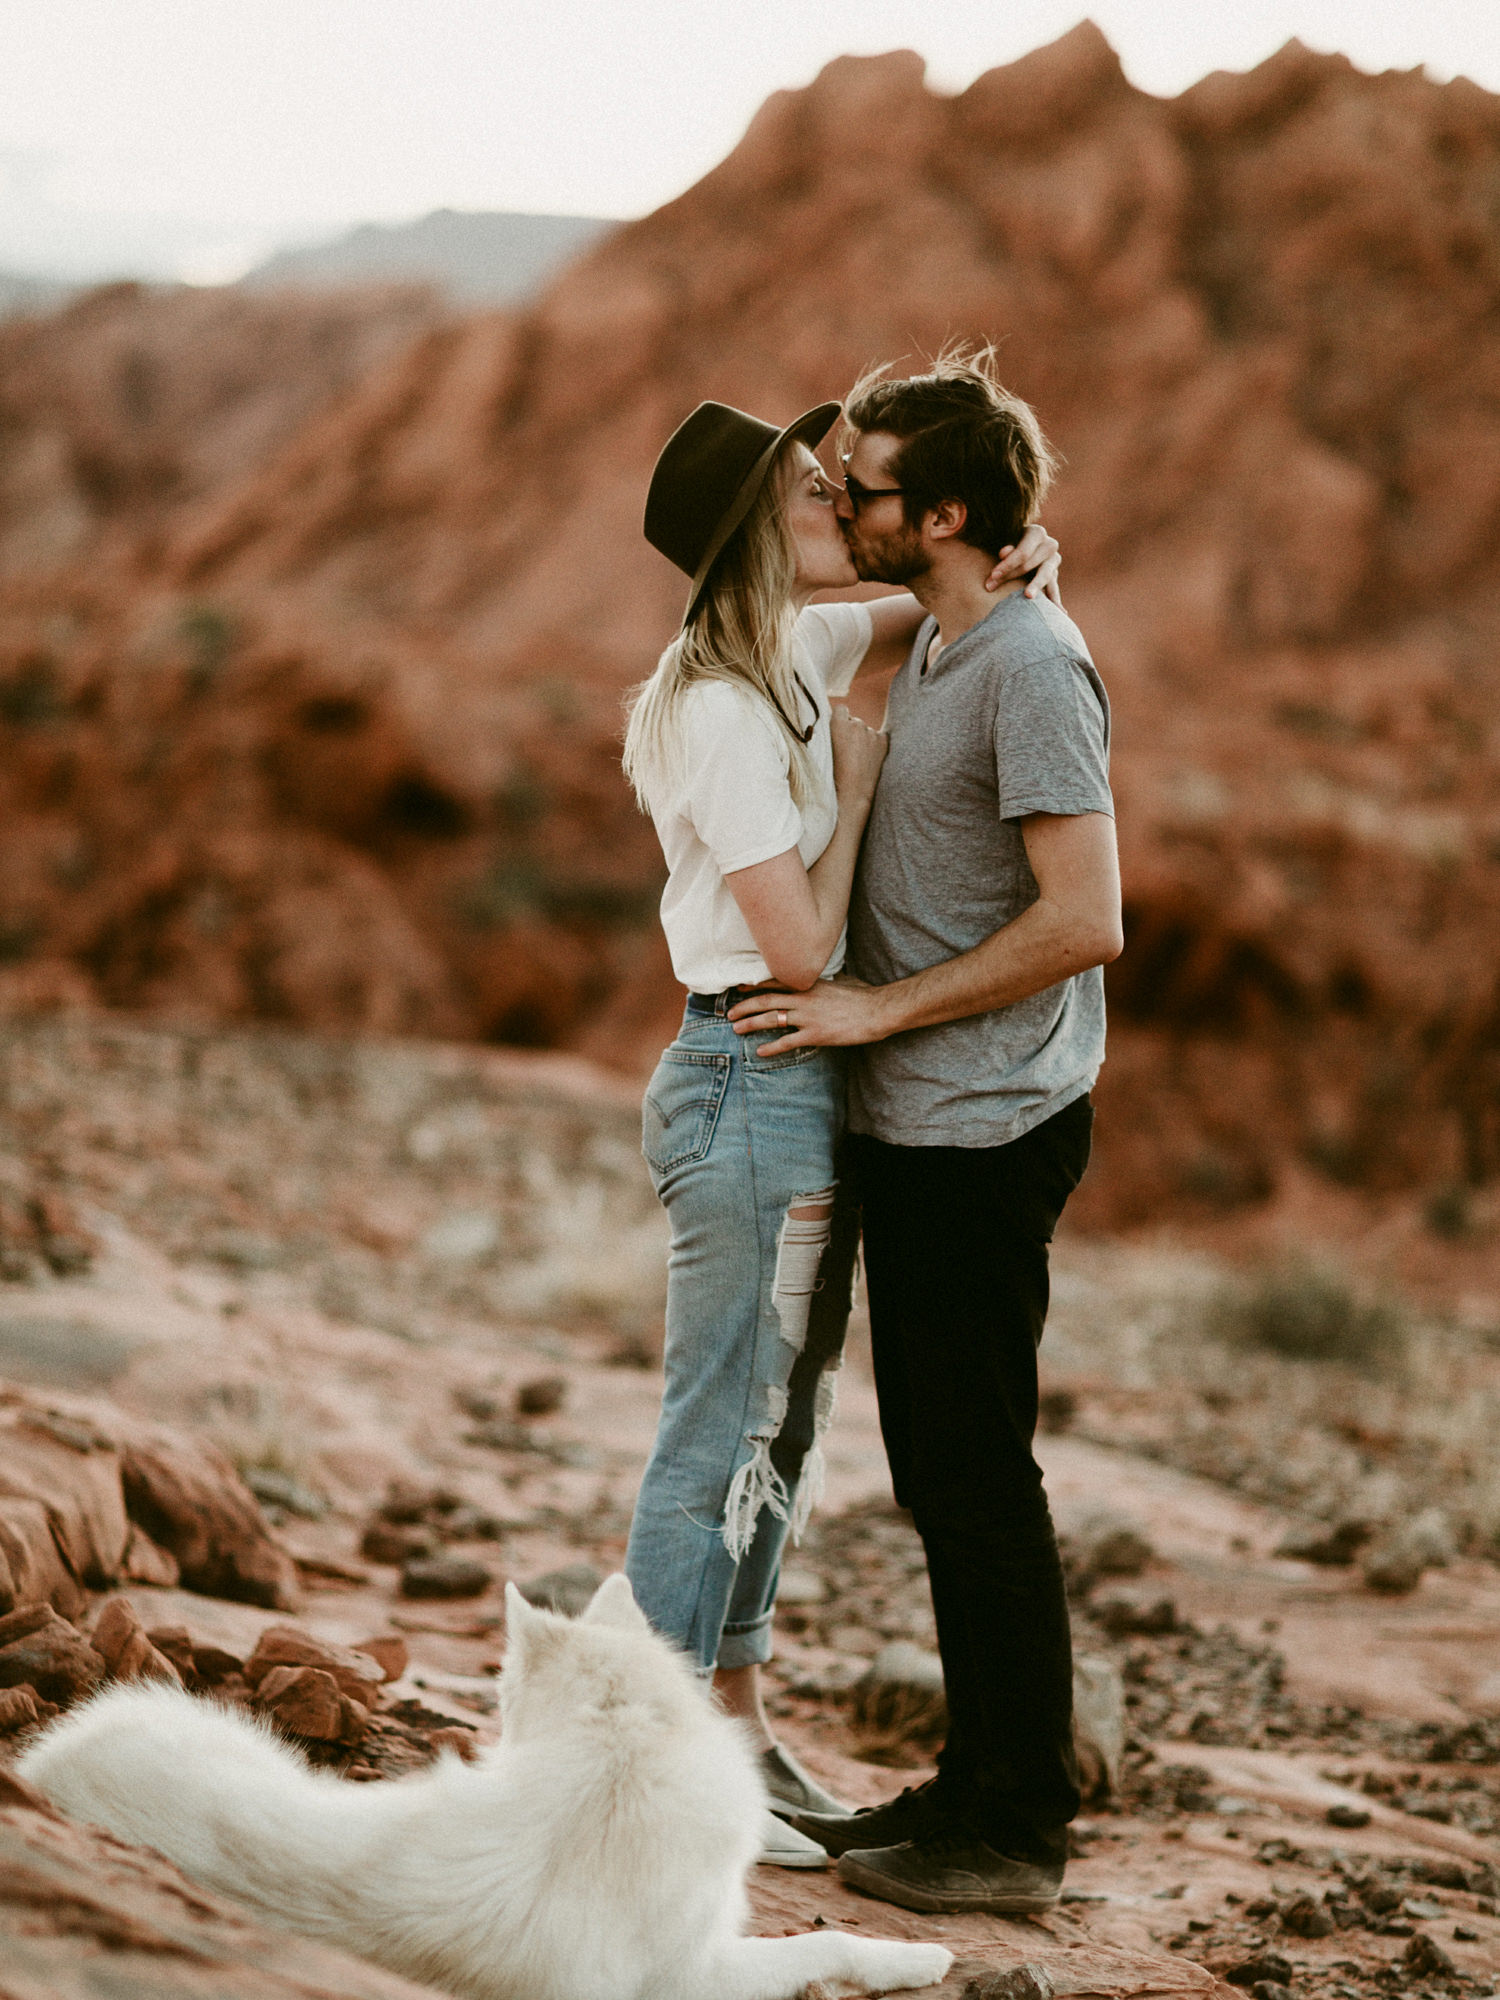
(681, 1107)
(755, 1062)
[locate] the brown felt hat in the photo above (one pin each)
(706, 480)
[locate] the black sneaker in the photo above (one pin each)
(919, 1811)
(953, 1872)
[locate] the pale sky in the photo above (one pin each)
(190, 137)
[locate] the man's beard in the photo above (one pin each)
(897, 558)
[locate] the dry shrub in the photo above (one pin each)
(1309, 1312)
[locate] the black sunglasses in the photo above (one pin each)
(802, 735)
(859, 494)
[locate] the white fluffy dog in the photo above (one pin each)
(597, 1852)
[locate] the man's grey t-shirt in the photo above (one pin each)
(1010, 719)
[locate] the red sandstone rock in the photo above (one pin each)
(121, 1642)
(188, 1497)
(390, 1653)
(307, 1702)
(42, 1651)
(20, 1707)
(355, 1674)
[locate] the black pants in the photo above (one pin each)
(956, 1259)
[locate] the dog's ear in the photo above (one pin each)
(614, 1603)
(519, 1618)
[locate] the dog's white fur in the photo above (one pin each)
(597, 1852)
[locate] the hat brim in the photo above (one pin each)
(810, 429)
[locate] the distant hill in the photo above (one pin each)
(31, 295)
(477, 259)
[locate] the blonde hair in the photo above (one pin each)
(740, 632)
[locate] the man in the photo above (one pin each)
(986, 904)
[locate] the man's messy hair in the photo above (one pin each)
(964, 436)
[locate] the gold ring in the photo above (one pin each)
(781, 1017)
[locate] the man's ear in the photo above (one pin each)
(614, 1603)
(947, 519)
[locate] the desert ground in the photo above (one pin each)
(408, 1296)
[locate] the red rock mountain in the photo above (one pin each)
(324, 728)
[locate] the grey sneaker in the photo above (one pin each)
(953, 1872)
(790, 1789)
(918, 1813)
(781, 1846)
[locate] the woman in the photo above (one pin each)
(759, 791)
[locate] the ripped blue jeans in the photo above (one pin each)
(743, 1153)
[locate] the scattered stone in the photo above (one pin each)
(472, 1524)
(355, 1675)
(1304, 1916)
(800, 1587)
(901, 1694)
(1431, 1535)
(444, 1576)
(146, 1562)
(1425, 1957)
(1020, 1982)
(128, 1654)
(480, 1404)
(189, 1498)
(568, 1590)
(213, 1666)
(279, 1489)
(390, 1653)
(306, 1702)
(42, 1651)
(1379, 1898)
(1107, 1544)
(386, 1542)
(1348, 1816)
(1394, 1565)
(20, 1707)
(1271, 1989)
(1466, 1934)
(541, 1396)
(406, 1506)
(1322, 1544)
(1099, 1726)
(1264, 1965)
(1124, 1611)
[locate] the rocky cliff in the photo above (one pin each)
(325, 727)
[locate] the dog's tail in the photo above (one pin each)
(215, 1792)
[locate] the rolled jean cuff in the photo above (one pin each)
(746, 1645)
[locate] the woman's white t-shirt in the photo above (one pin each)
(729, 803)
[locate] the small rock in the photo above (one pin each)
(385, 1542)
(1107, 1544)
(1021, 1982)
(1271, 1989)
(800, 1587)
(121, 1642)
(1425, 1957)
(306, 1702)
(1431, 1535)
(355, 1675)
(1322, 1544)
(1305, 1917)
(1422, 1908)
(274, 1488)
(902, 1693)
(147, 1562)
(1264, 1965)
(213, 1665)
(175, 1643)
(472, 1524)
(1125, 1611)
(541, 1396)
(45, 1653)
(20, 1707)
(1379, 1898)
(1347, 1816)
(480, 1404)
(389, 1652)
(569, 1590)
(1466, 1934)
(1394, 1566)
(405, 1505)
(1099, 1727)
(444, 1576)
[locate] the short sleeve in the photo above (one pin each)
(1052, 740)
(834, 638)
(736, 791)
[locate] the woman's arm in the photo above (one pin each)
(795, 913)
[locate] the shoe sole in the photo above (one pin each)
(873, 1883)
(767, 1859)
